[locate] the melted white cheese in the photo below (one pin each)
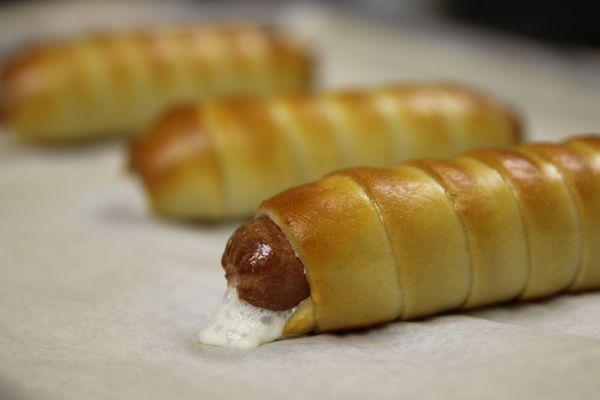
(235, 323)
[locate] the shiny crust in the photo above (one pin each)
(255, 155)
(265, 146)
(185, 177)
(491, 218)
(580, 164)
(325, 223)
(109, 84)
(550, 217)
(418, 216)
(428, 236)
(305, 122)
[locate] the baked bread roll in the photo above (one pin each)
(219, 159)
(113, 84)
(426, 236)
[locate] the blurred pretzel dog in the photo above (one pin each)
(221, 158)
(114, 83)
(364, 246)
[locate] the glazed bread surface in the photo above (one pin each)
(115, 83)
(258, 147)
(428, 236)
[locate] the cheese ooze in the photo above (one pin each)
(236, 323)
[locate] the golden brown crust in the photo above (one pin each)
(177, 125)
(585, 181)
(302, 321)
(325, 223)
(265, 146)
(491, 219)
(255, 157)
(260, 264)
(107, 84)
(361, 131)
(304, 120)
(590, 141)
(21, 79)
(550, 218)
(178, 164)
(417, 110)
(445, 119)
(577, 172)
(472, 99)
(430, 235)
(417, 216)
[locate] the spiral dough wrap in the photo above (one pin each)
(220, 159)
(113, 84)
(430, 235)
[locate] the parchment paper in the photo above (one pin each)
(99, 300)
